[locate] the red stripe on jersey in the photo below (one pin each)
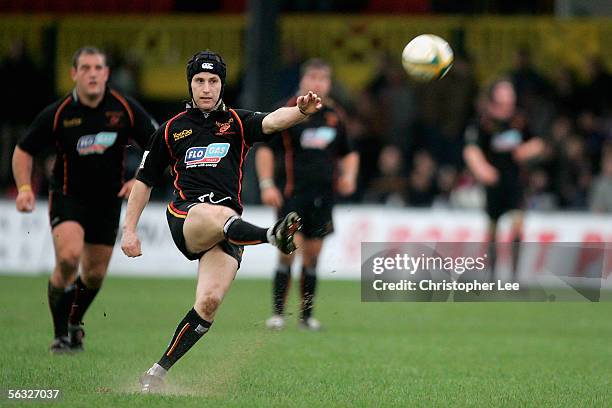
(59, 111)
(125, 104)
(242, 156)
(176, 174)
(288, 164)
(65, 188)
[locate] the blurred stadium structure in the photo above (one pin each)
(409, 135)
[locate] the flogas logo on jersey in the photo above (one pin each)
(95, 144)
(206, 155)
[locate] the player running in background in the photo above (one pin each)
(89, 129)
(297, 173)
(205, 147)
(498, 144)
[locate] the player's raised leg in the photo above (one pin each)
(311, 250)
(207, 224)
(216, 272)
(68, 242)
(96, 258)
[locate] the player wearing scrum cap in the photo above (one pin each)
(205, 147)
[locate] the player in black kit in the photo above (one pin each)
(205, 147)
(303, 163)
(89, 129)
(497, 144)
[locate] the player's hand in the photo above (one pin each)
(527, 151)
(25, 201)
(272, 197)
(126, 189)
(346, 185)
(487, 175)
(309, 103)
(130, 244)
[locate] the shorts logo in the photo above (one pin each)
(182, 134)
(209, 156)
(224, 127)
(95, 144)
(207, 65)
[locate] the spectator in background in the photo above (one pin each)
(289, 74)
(525, 77)
(390, 184)
(422, 180)
(395, 105)
(532, 92)
(446, 181)
(589, 130)
(600, 197)
(442, 123)
(538, 196)
(18, 106)
(596, 94)
(574, 174)
(565, 88)
(125, 75)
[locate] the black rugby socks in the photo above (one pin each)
(60, 301)
(187, 333)
(280, 288)
(82, 300)
(239, 232)
(308, 287)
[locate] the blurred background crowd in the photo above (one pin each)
(409, 135)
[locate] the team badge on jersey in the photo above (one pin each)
(224, 127)
(209, 156)
(95, 144)
(114, 118)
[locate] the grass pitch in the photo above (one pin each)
(370, 354)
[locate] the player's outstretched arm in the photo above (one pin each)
(284, 118)
(22, 171)
(139, 197)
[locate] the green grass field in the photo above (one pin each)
(371, 354)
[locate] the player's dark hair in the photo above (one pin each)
(87, 50)
(314, 63)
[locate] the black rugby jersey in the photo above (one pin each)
(498, 140)
(89, 142)
(306, 155)
(205, 152)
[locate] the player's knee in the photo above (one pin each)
(208, 305)
(68, 260)
(310, 259)
(94, 279)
